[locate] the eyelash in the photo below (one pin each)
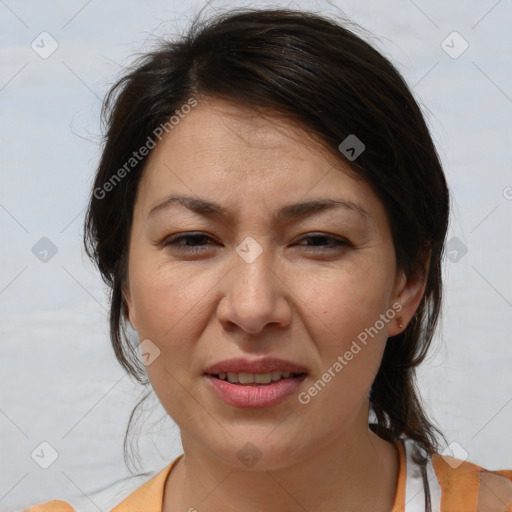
(173, 241)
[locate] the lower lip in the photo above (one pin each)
(259, 395)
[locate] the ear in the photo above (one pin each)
(408, 292)
(129, 305)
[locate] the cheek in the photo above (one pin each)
(348, 302)
(168, 301)
(171, 311)
(344, 320)
(341, 317)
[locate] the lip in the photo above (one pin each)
(251, 396)
(263, 365)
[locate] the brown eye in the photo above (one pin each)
(325, 241)
(194, 243)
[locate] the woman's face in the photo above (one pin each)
(317, 287)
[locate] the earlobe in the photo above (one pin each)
(129, 306)
(412, 292)
(409, 294)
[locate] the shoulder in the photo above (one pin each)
(51, 506)
(451, 484)
(471, 486)
(137, 493)
(495, 491)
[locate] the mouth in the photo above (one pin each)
(256, 379)
(255, 390)
(255, 383)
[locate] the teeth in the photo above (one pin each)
(276, 376)
(232, 377)
(263, 378)
(244, 378)
(251, 378)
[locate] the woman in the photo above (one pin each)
(270, 214)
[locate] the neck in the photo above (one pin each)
(352, 472)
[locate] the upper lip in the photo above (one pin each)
(263, 365)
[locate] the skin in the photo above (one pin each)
(300, 300)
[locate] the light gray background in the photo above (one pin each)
(60, 382)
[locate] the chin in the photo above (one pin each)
(253, 453)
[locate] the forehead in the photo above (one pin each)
(258, 128)
(218, 130)
(238, 156)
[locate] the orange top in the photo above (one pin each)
(454, 486)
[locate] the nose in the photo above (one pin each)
(255, 295)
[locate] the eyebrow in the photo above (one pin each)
(209, 208)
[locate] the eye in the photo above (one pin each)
(189, 246)
(326, 241)
(194, 243)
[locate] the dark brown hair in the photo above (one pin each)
(316, 72)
